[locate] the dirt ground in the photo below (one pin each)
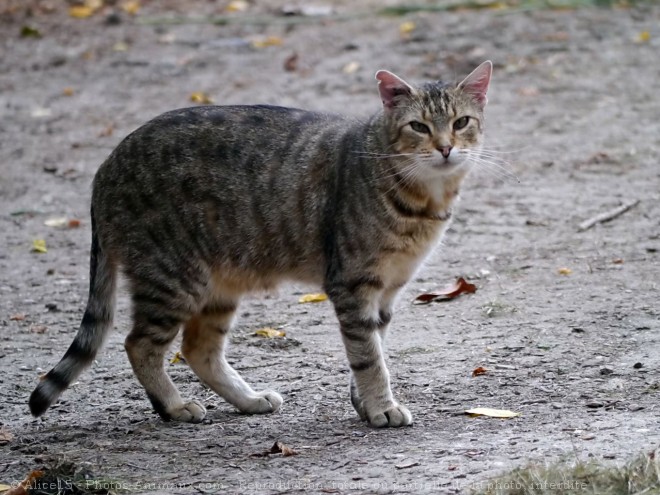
(574, 113)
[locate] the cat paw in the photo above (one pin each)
(262, 403)
(357, 403)
(188, 412)
(393, 415)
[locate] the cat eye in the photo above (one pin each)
(461, 123)
(419, 127)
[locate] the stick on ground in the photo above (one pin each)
(607, 216)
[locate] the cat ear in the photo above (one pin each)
(391, 87)
(476, 84)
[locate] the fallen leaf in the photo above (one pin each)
(107, 131)
(39, 246)
(120, 46)
(491, 413)
(618, 261)
(268, 41)
(38, 329)
(4, 488)
(237, 6)
(564, 271)
(17, 317)
(131, 7)
(277, 448)
(177, 358)
(80, 11)
(351, 67)
(68, 91)
(406, 28)
(201, 97)
(270, 333)
(291, 62)
(24, 486)
(406, 465)
(644, 37)
(313, 298)
(56, 222)
(30, 32)
(461, 286)
(479, 371)
(6, 436)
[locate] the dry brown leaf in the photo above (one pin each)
(23, 487)
(17, 317)
(461, 286)
(38, 329)
(68, 91)
(280, 448)
(291, 63)
(6, 436)
(277, 448)
(479, 371)
(564, 271)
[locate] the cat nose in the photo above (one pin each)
(445, 150)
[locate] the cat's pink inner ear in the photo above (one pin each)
(391, 87)
(476, 84)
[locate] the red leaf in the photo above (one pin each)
(461, 286)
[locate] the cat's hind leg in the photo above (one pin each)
(146, 346)
(204, 339)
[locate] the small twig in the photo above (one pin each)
(607, 216)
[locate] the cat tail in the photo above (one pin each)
(96, 323)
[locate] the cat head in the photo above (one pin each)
(436, 124)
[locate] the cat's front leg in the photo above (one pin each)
(362, 326)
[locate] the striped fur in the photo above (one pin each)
(202, 205)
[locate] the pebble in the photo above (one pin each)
(606, 370)
(594, 404)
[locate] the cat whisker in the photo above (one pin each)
(494, 168)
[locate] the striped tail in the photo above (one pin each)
(96, 323)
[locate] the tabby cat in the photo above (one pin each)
(202, 205)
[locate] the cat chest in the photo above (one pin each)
(402, 256)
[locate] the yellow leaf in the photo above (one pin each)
(237, 6)
(178, 358)
(406, 28)
(131, 7)
(201, 97)
(80, 11)
(564, 271)
(492, 413)
(270, 333)
(39, 246)
(269, 41)
(644, 37)
(313, 298)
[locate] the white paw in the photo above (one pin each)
(391, 414)
(262, 403)
(188, 412)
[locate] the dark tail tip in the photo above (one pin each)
(51, 387)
